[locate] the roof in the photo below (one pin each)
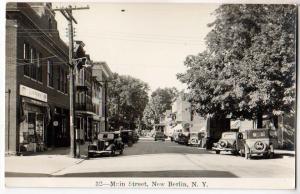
(102, 65)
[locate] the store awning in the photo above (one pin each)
(35, 102)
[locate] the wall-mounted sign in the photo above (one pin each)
(32, 93)
(55, 123)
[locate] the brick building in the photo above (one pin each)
(37, 100)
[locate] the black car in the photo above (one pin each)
(183, 138)
(107, 143)
(127, 137)
(135, 136)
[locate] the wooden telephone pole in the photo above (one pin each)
(74, 134)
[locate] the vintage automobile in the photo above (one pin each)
(159, 135)
(183, 138)
(259, 142)
(175, 135)
(194, 139)
(229, 142)
(107, 143)
(127, 137)
(135, 136)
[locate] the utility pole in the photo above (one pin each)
(105, 104)
(67, 13)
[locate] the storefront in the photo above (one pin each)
(58, 132)
(34, 119)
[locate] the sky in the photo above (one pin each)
(146, 41)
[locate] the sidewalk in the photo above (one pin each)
(44, 163)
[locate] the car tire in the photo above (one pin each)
(218, 151)
(113, 152)
(91, 155)
(121, 151)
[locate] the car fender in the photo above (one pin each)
(110, 147)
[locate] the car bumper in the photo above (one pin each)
(100, 152)
(222, 149)
(255, 152)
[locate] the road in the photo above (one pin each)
(148, 158)
(149, 146)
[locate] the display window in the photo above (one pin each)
(32, 130)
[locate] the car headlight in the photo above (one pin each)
(106, 143)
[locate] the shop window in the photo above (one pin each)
(50, 73)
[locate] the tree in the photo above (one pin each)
(127, 99)
(160, 101)
(248, 68)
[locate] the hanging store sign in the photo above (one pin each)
(55, 123)
(32, 93)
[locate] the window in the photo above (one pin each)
(50, 73)
(39, 68)
(66, 83)
(59, 78)
(33, 61)
(26, 56)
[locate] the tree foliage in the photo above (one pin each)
(248, 68)
(127, 99)
(160, 101)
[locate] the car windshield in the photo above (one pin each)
(257, 134)
(228, 136)
(106, 135)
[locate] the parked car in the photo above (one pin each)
(135, 136)
(183, 138)
(175, 135)
(194, 139)
(159, 135)
(260, 142)
(229, 142)
(127, 137)
(107, 143)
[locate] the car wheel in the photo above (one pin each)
(121, 151)
(217, 151)
(90, 155)
(113, 152)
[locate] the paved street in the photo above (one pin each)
(148, 158)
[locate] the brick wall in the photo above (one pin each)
(11, 84)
